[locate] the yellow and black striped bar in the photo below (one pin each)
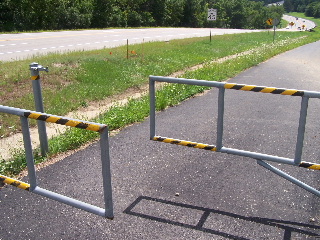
(308, 165)
(185, 143)
(253, 88)
(14, 182)
(63, 121)
(37, 77)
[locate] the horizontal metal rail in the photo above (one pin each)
(33, 186)
(185, 143)
(52, 195)
(238, 152)
(218, 147)
(97, 127)
(14, 182)
(236, 86)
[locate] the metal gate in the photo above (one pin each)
(33, 186)
(218, 147)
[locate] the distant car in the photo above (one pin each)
(299, 28)
(287, 27)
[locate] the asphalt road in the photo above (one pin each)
(298, 23)
(220, 196)
(26, 45)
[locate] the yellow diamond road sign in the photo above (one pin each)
(269, 21)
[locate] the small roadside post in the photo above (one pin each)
(212, 16)
(35, 68)
(273, 22)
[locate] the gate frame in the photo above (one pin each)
(260, 157)
(107, 212)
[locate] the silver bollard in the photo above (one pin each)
(36, 86)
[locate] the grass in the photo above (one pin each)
(77, 78)
(98, 74)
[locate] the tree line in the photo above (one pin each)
(311, 8)
(28, 15)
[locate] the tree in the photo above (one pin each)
(173, 15)
(313, 9)
(6, 18)
(194, 13)
(257, 15)
(288, 6)
(102, 11)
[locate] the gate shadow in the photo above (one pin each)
(288, 227)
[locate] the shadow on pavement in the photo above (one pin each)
(205, 219)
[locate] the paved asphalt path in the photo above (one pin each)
(220, 196)
(26, 45)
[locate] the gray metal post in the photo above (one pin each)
(152, 108)
(38, 100)
(220, 118)
(301, 129)
(29, 154)
(106, 173)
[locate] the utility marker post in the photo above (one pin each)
(38, 100)
(212, 16)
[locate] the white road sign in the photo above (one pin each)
(212, 14)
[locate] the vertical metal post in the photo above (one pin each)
(106, 173)
(152, 95)
(301, 129)
(220, 118)
(274, 33)
(38, 100)
(127, 48)
(29, 154)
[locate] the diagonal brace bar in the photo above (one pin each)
(288, 177)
